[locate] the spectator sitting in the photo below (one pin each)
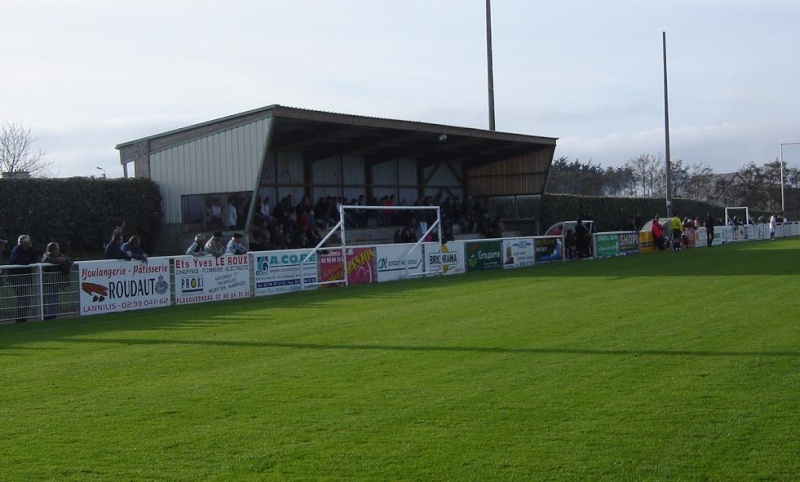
(277, 236)
(259, 236)
(114, 248)
(235, 245)
(495, 229)
(198, 246)
(215, 246)
(133, 250)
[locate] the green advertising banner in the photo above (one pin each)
(607, 246)
(483, 255)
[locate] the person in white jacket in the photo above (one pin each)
(772, 222)
(198, 247)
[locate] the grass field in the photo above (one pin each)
(672, 366)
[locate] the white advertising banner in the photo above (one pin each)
(449, 257)
(278, 272)
(114, 286)
(206, 278)
(518, 252)
(392, 261)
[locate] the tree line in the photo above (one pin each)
(753, 185)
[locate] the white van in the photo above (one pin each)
(561, 228)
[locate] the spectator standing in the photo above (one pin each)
(658, 234)
(773, 220)
(263, 210)
(3, 246)
(198, 247)
(120, 227)
(55, 275)
(215, 246)
(709, 229)
(231, 215)
(569, 244)
(21, 278)
(676, 226)
(235, 245)
(214, 214)
(422, 230)
(114, 248)
(581, 240)
(133, 250)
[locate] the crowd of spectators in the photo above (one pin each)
(21, 279)
(288, 224)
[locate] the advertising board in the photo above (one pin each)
(447, 258)
(547, 250)
(607, 245)
(483, 255)
(518, 253)
(277, 272)
(392, 260)
(114, 286)
(361, 265)
(208, 278)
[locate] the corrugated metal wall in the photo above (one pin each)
(520, 175)
(226, 161)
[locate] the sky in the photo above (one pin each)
(87, 75)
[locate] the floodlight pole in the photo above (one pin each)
(489, 62)
(783, 198)
(666, 128)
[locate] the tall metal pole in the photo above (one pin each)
(783, 199)
(783, 202)
(489, 62)
(666, 128)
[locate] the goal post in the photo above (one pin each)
(736, 210)
(341, 227)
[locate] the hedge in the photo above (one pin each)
(619, 214)
(79, 213)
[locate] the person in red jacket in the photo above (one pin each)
(658, 234)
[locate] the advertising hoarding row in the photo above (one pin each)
(115, 286)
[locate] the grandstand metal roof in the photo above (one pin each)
(324, 134)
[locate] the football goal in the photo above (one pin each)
(424, 231)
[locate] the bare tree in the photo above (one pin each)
(17, 153)
(648, 175)
(699, 184)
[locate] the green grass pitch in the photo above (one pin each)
(669, 366)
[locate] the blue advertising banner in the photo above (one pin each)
(548, 250)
